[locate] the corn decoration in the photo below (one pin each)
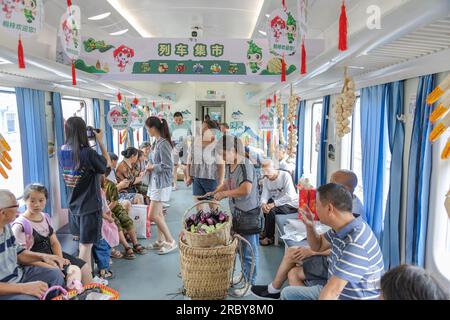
(441, 112)
(5, 158)
(280, 115)
(292, 128)
(345, 104)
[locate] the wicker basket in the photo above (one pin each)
(105, 290)
(221, 237)
(207, 272)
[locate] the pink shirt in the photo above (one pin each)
(41, 227)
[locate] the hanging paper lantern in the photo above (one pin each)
(343, 25)
(23, 19)
(119, 118)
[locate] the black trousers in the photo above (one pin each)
(269, 229)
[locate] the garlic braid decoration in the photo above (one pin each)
(292, 128)
(345, 104)
(280, 114)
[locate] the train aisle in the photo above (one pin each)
(154, 277)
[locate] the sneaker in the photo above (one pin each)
(168, 248)
(155, 246)
(166, 205)
(262, 292)
(99, 280)
(237, 279)
(241, 292)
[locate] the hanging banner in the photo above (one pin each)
(137, 118)
(185, 59)
(119, 118)
(303, 13)
(267, 119)
(24, 17)
(283, 33)
(69, 32)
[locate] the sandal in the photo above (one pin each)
(168, 248)
(266, 242)
(155, 245)
(139, 249)
(116, 254)
(129, 254)
(106, 274)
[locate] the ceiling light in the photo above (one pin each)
(107, 86)
(100, 16)
(128, 16)
(356, 67)
(267, 15)
(243, 83)
(119, 33)
(41, 66)
(256, 17)
(178, 82)
(262, 32)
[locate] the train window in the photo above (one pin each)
(72, 107)
(316, 129)
(9, 128)
(356, 149)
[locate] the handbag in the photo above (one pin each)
(248, 222)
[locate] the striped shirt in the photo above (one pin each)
(356, 257)
(9, 250)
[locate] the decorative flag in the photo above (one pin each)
(23, 19)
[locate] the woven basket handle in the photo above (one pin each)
(239, 253)
(55, 288)
(186, 213)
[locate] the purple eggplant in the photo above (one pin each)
(210, 221)
(222, 217)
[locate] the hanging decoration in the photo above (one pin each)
(343, 25)
(283, 37)
(292, 128)
(119, 97)
(23, 19)
(70, 35)
(135, 101)
(280, 116)
(303, 68)
(5, 158)
(441, 112)
(137, 117)
(303, 9)
(119, 118)
(345, 104)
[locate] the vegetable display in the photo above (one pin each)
(206, 222)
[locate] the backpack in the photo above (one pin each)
(28, 229)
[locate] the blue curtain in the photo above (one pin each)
(108, 129)
(34, 141)
(322, 165)
(419, 176)
(373, 143)
(60, 140)
(96, 103)
(396, 132)
(301, 139)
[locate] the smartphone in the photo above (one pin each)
(90, 132)
(205, 198)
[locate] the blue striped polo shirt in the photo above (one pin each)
(356, 257)
(10, 271)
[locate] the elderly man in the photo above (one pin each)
(286, 163)
(279, 196)
(180, 132)
(19, 279)
(350, 181)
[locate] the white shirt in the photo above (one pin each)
(281, 190)
(112, 176)
(358, 208)
(288, 164)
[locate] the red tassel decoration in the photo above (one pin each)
(135, 101)
(283, 2)
(120, 137)
(283, 70)
(119, 97)
(170, 107)
(137, 136)
(343, 24)
(20, 57)
(69, 3)
(275, 99)
(154, 104)
(303, 71)
(74, 74)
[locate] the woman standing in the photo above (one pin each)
(82, 167)
(125, 172)
(241, 188)
(160, 187)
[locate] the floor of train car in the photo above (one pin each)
(154, 277)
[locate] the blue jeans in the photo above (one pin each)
(52, 277)
(102, 254)
(200, 187)
(301, 293)
(253, 239)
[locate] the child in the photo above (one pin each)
(34, 231)
(122, 220)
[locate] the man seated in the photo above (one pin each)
(285, 162)
(279, 196)
(19, 278)
(355, 265)
(350, 181)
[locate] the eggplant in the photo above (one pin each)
(210, 221)
(222, 217)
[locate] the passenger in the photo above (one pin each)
(112, 176)
(125, 171)
(204, 172)
(224, 128)
(160, 182)
(355, 264)
(140, 168)
(123, 221)
(350, 181)
(411, 283)
(34, 232)
(285, 162)
(241, 188)
(20, 278)
(279, 196)
(180, 132)
(82, 167)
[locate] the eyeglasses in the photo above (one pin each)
(12, 207)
